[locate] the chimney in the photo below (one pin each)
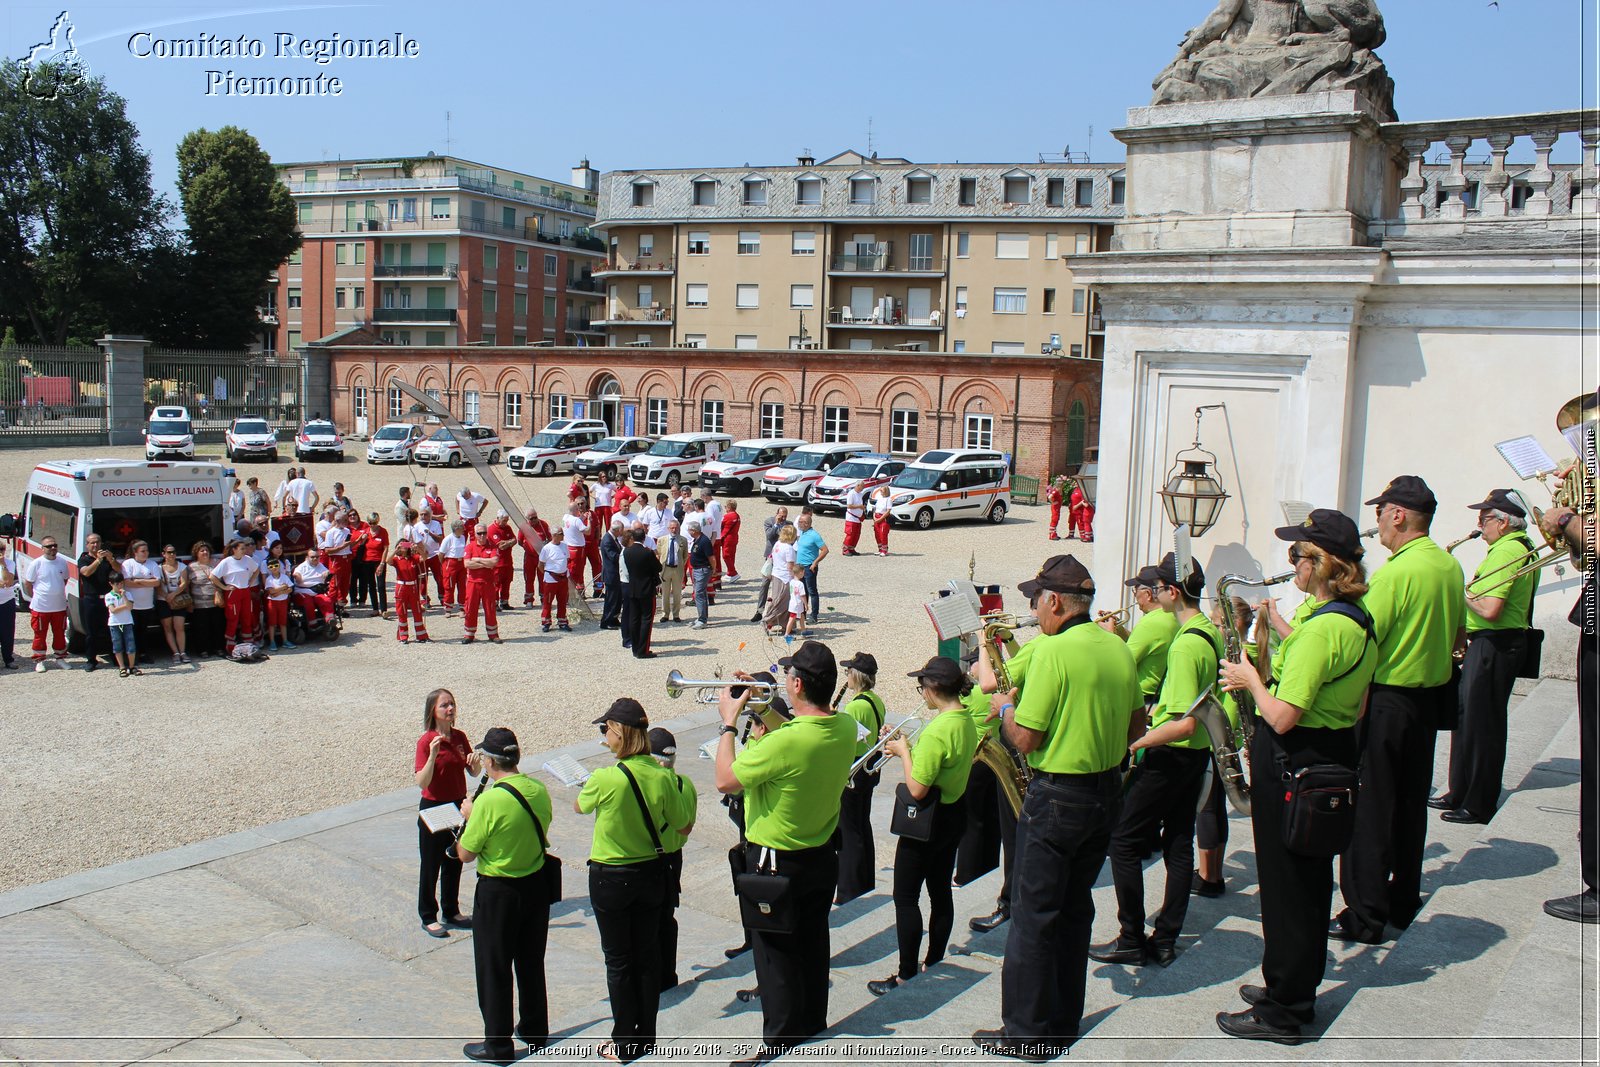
(806, 161)
(585, 176)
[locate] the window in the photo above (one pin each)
(1010, 301)
(491, 258)
(705, 193)
(1055, 192)
(710, 416)
(1052, 246)
(519, 339)
(903, 430)
(647, 296)
(1006, 348)
(771, 420)
(694, 340)
(863, 191)
(1085, 197)
(294, 339)
(519, 304)
(747, 296)
(804, 243)
(647, 245)
(360, 252)
(919, 190)
(808, 191)
(755, 192)
(800, 296)
(361, 296)
(699, 242)
(835, 424)
(346, 173)
(1079, 300)
(1080, 244)
(1017, 190)
(749, 242)
(1076, 351)
(549, 307)
(969, 192)
(744, 340)
(1049, 301)
(489, 338)
(409, 209)
(520, 262)
(1119, 191)
(513, 414)
(566, 227)
(358, 400)
(341, 252)
(295, 256)
(980, 431)
(644, 194)
(697, 295)
(558, 405)
(397, 403)
(963, 245)
(958, 346)
(309, 175)
(1010, 246)
(439, 207)
(549, 265)
(305, 212)
(491, 302)
(471, 401)
(294, 296)
(508, 217)
(655, 416)
(961, 298)
(338, 298)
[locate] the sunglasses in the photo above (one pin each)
(1295, 556)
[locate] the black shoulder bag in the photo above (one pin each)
(912, 818)
(1532, 637)
(764, 900)
(549, 875)
(644, 809)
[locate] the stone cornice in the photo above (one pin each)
(1348, 267)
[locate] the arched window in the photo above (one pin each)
(772, 413)
(1077, 432)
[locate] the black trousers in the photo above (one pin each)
(205, 629)
(1211, 821)
(627, 901)
(990, 838)
(927, 863)
(638, 614)
(8, 631)
(440, 868)
(1589, 759)
(858, 860)
(1062, 839)
(669, 920)
(510, 924)
(1478, 749)
(146, 634)
(1161, 800)
(792, 968)
(96, 623)
(364, 575)
(1381, 874)
(1296, 890)
(611, 610)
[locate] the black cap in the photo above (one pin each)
(1060, 574)
(865, 662)
(1408, 491)
(1330, 530)
(1145, 579)
(501, 744)
(627, 711)
(662, 743)
(1501, 500)
(941, 672)
(814, 660)
(1193, 586)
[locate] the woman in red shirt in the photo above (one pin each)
(370, 571)
(444, 756)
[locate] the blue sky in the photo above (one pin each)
(535, 86)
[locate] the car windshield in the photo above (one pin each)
(610, 444)
(855, 469)
(442, 434)
(668, 448)
(544, 440)
(169, 426)
(321, 429)
(805, 461)
(253, 426)
(744, 454)
(917, 478)
(392, 433)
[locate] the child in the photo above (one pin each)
(278, 586)
(797, 601)
(120, 610)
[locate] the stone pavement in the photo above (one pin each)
(298, 942)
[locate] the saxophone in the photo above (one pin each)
(1010, 768)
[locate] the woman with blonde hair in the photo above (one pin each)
(444, 757)
(783, 557)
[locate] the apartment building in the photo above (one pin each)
(438, 250)
(856, 252)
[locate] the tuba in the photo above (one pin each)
(1010, 768)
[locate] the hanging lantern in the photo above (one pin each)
(1193, 497)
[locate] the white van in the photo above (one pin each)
(740, 467)
(556, 446)
(169, 433)
(873, 468)
(795, 478)
(952, 483)
(123, 501)
(676, 458)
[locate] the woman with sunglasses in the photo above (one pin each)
(1308, 717)
(444, 758)
(173, 602)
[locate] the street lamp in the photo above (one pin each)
(1193, 497)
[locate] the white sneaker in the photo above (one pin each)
(697, 625)
(38, 668)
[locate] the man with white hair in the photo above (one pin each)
(469, 506)
(553, 591)
(610, 575)
(530, 555)
(672, 549)
(855, 510)
(452, 550)
(503, 539)
(575, 535)
(700, 556)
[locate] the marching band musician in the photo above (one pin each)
(1211, 821)
(1498, 612)
(664, 748)
(941, 761)
(1415, 600)
(1072, 723)
(857, 857)
(792, 782)
(1309, 717)
(1150, 637)
(1166, 784)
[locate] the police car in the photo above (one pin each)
(443, 450)
(251, 436)
(874, 468)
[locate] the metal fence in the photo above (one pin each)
(52, 396)
(218, 387)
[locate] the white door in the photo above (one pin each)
(919, 304)
(861, 302)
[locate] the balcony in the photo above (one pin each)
(452, 181)
(575, 324)
(441, 315)
(651, 316)
(448, 224)
(644, 268)
(584, 285)
(844, 318)
(268, 315)
(415, 270)
(878, 258)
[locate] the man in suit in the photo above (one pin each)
(610, 555)
(673, 552)
(643, 577)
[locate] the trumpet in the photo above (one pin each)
(872, 761)
(1119, 620)
(762, 694)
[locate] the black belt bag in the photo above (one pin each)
(1319, 810)
(1532, 652)
(765, 902)
(912, 818)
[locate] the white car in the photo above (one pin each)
(874, 468)
(169, 434)
(951, 483)
(612, 454)
(793, 480)
(740, 466)
(251, 436)
(557, 446)
(442, 449)
(319, 439)
(394, 442)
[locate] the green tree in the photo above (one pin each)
(77, 213)
(10, 370)
(241, 226)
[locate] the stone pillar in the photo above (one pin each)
(316, 385)
(125, 385)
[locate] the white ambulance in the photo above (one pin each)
(123, 501)
(676, 458)
(742, 465)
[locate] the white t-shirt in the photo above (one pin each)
(469, 506)
(604, 493)
(657, 519)
(418, 534)
(119, 609)
(278, 493)
(309, 573)
(880, 505)
(278, 588)
(574, 529)
(553, 561)
(854, 506)
(238, 573)
(797, 597)
(712, 525)
(782, 556)
(49, 581)
(324, 524)
(454, 546)
(302, 489)
(142, 599)
(337, 541)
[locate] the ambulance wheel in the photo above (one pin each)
(925, 519)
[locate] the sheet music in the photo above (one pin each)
(441, 817)
(709, 749)
(952, 616)
(1295, 512)
(964, 588)
(566, 770)
(1526, 456)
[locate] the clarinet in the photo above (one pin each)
(483, 781)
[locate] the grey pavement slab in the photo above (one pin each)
(241, 1043)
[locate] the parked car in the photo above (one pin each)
(394, 442)
(676, 458)
(442, 448)
(793, 480)
(740, 466)
(251, 436)
(874, 468)
(556, 446)
(612, 453)
(951, 484)
(169, 433)
(319, 439)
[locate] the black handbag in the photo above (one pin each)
(765, 903)
(912, 818)
(548, 875)
(1319, 816)
(1532, 653)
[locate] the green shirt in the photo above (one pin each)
(1507, 552)
(1328, 663)
(942, 756)
(1301, 614)
(500, 832)
(1417, 606)
(620, 833)
(671, 839)
(867, 709)
(1081, 692)
(1191, 667)
(1149, 641)
(793, 780)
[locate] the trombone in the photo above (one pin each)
(872, 761)
(708, 691)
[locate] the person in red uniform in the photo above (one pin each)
(729, 543)
(591, 548)
(1081, 514)
(480, 562)
(433, 502)
(374, 553)
(502, 538)
(530, 555)
(237, 575)
(1054, 496)
(622, 500)
(407, 596)
(336, 546)
(578, 490)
